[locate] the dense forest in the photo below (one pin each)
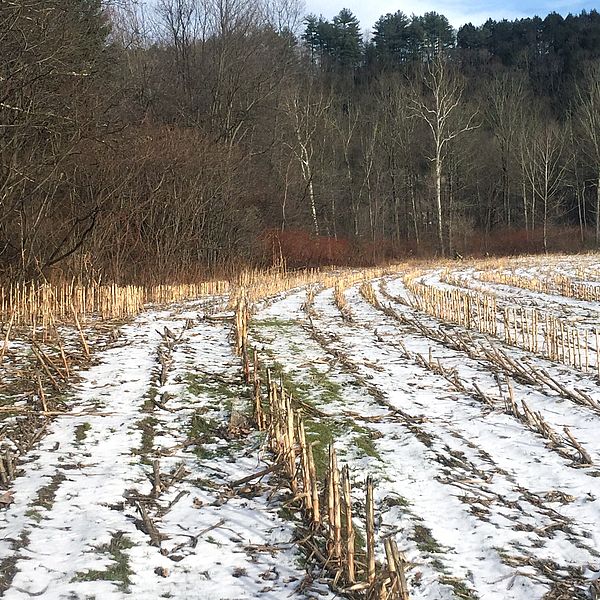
(158, 141)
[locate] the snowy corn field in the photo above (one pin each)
(468, 392)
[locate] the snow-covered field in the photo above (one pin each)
(132, 495)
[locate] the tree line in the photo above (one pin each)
(158, 141)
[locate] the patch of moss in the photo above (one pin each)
(119, 571)
(81, 432)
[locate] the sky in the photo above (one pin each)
(458, 12)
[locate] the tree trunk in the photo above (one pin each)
(313, 208)
(506, 187)
(545, 224)
(395, 202)
(525, 211)
(414, 210)
(450, 223)
(598, 210)
(438, 201)
(532, 207)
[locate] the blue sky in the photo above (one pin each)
(457, 11)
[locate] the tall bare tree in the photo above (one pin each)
(344, 121)
(588, 116)
(544, 168)
(505, 103)
(438, 102)
(306, 108)
(397, 135)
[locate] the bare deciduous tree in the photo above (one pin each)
(588, 116)
(397, 134)
(504, 112)
(305, 109)
(544, 168)
(51, 60)
(438, 104)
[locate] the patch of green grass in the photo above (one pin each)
(47, 494)
(149, 398)
(438, 565)
(303, 391)
(204, 430)
(32, 513)
(201, 427)
(315, 386)
(81, 432)
(360, 542)
(205, 484)
(147, 425)
(396, 500)
(211, 540)
(221, 391)
(198, 385)
(274, 323)
(425, 541)
(329, 391)
(324, 431)
(119, 571)
(8, 569)
(295, 347)
(64, 397)
(8, 566)
(364, 441)
(459, 588)
(286, 513)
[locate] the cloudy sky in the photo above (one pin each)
(457, 11)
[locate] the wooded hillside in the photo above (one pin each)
(155, 142)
